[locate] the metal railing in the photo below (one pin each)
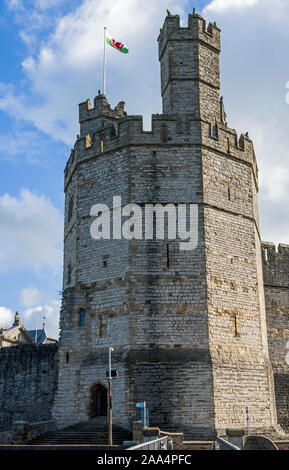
(225, 445)
(157, 444)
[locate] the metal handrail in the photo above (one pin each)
(156, 444)
(225, 445)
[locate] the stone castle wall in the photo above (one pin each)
(237, 321)
(136, 302)
(28, 380)
(276, 282)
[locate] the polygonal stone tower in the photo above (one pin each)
(188, 327)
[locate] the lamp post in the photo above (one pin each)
(109, 398)
(247, 419)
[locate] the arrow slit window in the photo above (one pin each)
(82, 315)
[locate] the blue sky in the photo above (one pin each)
(51, 59)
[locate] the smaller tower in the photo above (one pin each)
(190, 72)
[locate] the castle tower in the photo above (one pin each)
(188, 327)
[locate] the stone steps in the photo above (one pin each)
(87, 433)
(56, 447)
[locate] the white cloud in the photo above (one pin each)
(67, 68)
(254, 79)
(30, 296)
(14, 4)
(34, 17)
(221, 5)
(6, 317)
(31, 232)
(33, 318)
(287, 94)
(29, 146)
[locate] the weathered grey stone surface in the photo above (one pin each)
(259, 443)
(276, 282)
(28, 380)
(190, 332)
(189, 328)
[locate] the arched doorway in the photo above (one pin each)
(98, 401)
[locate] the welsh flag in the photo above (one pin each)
(120, 46)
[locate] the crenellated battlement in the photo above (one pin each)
(275, 264)
(226, 140)
(197, 29)
(99, 114)
(101, 108)
(167, 130)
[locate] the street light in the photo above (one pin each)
(109, 398)
(247, 419)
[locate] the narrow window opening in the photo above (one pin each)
(70, 209)
(266, 254)
(215, 131)
(102, 326)
(164, 134)
(101, 145)
(229, 194)
(82, 315)
(69, 272)
(236, 326)
(112, 131)
(228, 145)
(168, 255)
(154, 226)
(67, 357)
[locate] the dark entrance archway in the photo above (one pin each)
(98, 401)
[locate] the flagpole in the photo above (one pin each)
(104, 60)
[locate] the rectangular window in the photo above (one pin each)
(228, 145)
(236, 325)
(215, 131)
(168, 256)
(102, 326)
(164, 134)
(82, 315)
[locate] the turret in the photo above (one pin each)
(92, 118)
(189, 57)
